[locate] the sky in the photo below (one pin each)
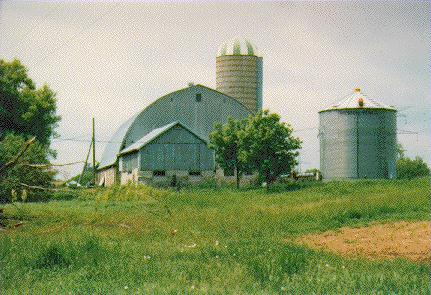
(109, 60)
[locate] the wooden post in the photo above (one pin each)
(94, 154)
(86, 162)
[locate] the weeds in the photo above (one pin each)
(214, 240)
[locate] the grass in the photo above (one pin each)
(205, 240)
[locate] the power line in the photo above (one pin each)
(305, 129)
(85, 140)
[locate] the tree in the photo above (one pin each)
(26, 112)
(401, 152)
(408, 168)
(226, 144)
(24, 109)
(268, 146)
(12, 181)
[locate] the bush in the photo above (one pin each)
(409, 169)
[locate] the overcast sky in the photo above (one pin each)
(110, 60)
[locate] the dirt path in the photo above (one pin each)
(410, 240)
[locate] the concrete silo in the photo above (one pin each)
(239, 72)
(358, 139)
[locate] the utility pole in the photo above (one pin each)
(86, 162)
(94, 154)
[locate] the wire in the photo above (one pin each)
(305, 129)
(84, 140)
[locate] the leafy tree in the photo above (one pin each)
(408, 168)
(226, 143)
(24, 109)
(25, 112)
(268, 146)
(11, 182)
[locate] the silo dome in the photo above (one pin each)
(239, 72)
(238, 46)
(358, 139)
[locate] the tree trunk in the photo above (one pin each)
(237, 177)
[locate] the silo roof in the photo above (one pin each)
(359, 100)
(238, 46)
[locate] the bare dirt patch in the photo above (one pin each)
(410, 240)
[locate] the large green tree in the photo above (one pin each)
(25, 109)
(259, 143)
(226, 144)
(25, 112)
(269, 146)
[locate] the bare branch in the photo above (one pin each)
(14, 161)
(51, 165)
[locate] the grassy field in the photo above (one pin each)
(143, 240)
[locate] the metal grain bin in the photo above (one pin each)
(239, 72)
(358, 139)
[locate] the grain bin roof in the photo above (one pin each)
(238, 46)
(359, 100)
(153, 135)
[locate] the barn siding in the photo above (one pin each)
(177, 149)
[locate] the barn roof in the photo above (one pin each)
(153, 135)
(180, 105)
(109, 156)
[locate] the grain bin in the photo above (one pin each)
(239, 72)
(358, 139)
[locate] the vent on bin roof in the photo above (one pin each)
(358, 100)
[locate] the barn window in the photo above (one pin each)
(198, 97)
(159, 173)
(129, 162)
(194, 173)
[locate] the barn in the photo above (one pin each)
(169, 137)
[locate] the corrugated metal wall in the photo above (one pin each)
(240, 76)
(177, 149)
(358, 144)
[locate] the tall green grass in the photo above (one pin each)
(137, 239)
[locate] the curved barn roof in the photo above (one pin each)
(114, 144)
(197, 107)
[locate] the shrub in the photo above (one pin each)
(409, 169)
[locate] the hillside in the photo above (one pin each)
(140, 240)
